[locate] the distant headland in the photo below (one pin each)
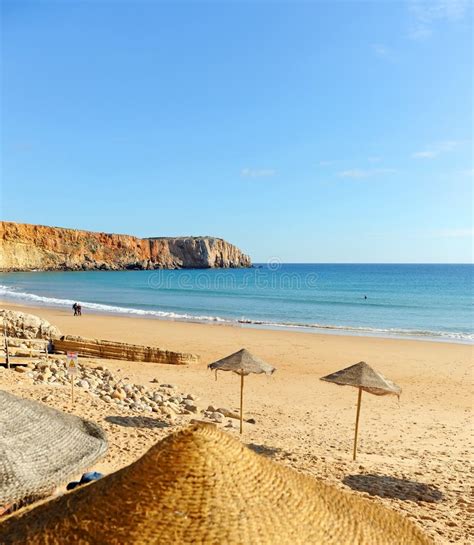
(26, 247)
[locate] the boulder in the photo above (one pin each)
(27, 326)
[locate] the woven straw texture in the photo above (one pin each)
(41, 448)
(202, 486)
(363, 376)
(242, 363)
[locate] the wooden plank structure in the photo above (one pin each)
(96, 348)
(11, 352)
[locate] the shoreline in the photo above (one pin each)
(55, 314)
(316, 329)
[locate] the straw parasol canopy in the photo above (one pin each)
(363, 377)
(243, 363)
(201, 485)
(41, 447)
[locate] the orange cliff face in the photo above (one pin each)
(25, 247)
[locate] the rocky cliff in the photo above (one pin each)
(25, 247)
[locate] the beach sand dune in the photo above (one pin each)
(414, 454)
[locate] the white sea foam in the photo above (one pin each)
(9, 293)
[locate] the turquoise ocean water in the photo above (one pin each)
(428, 301)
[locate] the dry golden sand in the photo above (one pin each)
(414, 455)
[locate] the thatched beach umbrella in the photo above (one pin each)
(243, 363)
(363, 377)
(41, 447)
(201, 485)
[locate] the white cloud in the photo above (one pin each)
(426, 13)
(420, 32)
(424, 154)
(430, 152)
(353, 173)
(358, 173)
(381, 51)
(456, 233)
(384, 52)
(257, 172)
(447, 145)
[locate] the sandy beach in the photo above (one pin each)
(415, 454)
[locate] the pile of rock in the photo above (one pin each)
(165, 400)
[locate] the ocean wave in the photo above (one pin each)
(370, 331)
(10, 293)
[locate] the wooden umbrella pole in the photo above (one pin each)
(241, 401)
(357, 424)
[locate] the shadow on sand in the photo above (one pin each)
(136, 421)
(391, 487)
(266, 451)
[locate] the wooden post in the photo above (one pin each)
(7, 354)
(357, 424)
(241, 401)
(5, 340)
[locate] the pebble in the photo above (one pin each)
(190, 405)
(99, 381)
(217, 417)
(118, 394)
(228, 413)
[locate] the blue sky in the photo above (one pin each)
(305, 132)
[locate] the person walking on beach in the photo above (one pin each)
(74, 308)
(79, 309)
